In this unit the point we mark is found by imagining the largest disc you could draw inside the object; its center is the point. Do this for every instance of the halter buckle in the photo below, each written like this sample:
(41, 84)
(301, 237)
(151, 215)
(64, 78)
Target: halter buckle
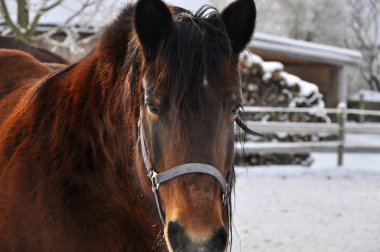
(153, 178)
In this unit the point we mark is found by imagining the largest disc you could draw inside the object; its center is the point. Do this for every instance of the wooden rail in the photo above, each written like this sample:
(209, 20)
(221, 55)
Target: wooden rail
(341, 128)
(304, 147)
(310, 128)
(249, 109)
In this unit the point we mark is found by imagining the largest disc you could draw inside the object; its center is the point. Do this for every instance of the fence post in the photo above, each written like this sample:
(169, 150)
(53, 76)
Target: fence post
(341, 134)
(362, 107)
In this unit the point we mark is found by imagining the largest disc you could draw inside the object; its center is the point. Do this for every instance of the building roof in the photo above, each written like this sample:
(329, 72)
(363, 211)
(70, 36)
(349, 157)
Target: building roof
(305, 50)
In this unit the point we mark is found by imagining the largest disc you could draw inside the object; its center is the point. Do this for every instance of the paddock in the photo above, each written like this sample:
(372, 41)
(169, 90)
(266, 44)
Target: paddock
(322, 208)
(326, 207)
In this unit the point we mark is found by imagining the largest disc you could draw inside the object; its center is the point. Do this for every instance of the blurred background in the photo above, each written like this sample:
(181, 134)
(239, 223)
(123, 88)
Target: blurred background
(311, 83)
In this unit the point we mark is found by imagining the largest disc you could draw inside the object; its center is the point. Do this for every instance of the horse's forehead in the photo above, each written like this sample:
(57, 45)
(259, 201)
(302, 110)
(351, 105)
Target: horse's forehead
(227, 77)
(217, 88)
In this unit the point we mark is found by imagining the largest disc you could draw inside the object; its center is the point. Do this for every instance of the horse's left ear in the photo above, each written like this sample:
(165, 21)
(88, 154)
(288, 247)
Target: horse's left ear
(239, 19)
(153, 21)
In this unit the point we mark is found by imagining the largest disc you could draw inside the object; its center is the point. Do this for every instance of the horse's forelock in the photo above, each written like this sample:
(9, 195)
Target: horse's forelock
(193, 53)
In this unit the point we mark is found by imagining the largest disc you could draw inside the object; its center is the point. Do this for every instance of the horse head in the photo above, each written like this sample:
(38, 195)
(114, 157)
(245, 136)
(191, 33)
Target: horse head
(191, 98)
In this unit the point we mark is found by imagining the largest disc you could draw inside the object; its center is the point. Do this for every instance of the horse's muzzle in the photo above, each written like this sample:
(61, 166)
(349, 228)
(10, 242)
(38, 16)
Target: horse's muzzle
(180, 241)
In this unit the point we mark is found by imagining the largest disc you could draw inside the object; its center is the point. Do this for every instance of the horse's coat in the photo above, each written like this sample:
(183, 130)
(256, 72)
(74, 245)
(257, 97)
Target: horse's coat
(71, 173)
(41, 54)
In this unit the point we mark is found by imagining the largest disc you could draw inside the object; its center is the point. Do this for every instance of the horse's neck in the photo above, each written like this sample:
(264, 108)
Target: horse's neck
(86, 118)
(83, 127)
(88, 114)
(97, 96)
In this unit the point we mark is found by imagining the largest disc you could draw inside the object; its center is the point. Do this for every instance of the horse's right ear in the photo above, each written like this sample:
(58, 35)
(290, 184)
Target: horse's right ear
(240, 19)
(153, 21)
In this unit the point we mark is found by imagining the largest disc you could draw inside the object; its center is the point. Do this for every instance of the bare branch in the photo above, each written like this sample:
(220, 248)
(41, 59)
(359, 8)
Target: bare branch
(63, 26)
(365, 31)
(85, 5)
(15, 29)
(40, 13)
(47, 8)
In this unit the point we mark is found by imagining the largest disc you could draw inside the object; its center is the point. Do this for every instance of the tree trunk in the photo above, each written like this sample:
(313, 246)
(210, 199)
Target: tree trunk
(374, 83)
(23, 18)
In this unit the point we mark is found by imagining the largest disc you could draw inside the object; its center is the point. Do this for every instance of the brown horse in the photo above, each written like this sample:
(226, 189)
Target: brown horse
(158, 95)
(41, 54)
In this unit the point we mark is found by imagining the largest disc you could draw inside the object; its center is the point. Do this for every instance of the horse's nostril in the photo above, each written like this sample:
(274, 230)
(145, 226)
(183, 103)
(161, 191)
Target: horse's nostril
(176, 235)
(179, 241)
(219, 241)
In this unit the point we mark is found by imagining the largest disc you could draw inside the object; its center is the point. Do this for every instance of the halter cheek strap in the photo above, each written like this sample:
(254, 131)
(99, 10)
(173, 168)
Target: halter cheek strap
(159, 178)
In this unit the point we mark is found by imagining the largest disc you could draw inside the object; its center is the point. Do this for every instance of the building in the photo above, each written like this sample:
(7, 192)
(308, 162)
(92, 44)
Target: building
(335, 70)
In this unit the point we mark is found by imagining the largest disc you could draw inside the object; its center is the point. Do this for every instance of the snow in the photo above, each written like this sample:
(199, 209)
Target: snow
(272, 66)
(250, 58)
(368, 96)
(257, 59)
(306, 88)
(269, 67)
(318, 109)
(322, 208)
(363, 139)
(290, 79)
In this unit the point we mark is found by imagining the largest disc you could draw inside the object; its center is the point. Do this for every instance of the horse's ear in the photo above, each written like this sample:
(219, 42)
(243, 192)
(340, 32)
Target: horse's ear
(240, 18)
(153, 21)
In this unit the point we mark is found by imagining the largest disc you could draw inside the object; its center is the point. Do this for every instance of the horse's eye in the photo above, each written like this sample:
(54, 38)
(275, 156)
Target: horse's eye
(235, 110)
(154, 109)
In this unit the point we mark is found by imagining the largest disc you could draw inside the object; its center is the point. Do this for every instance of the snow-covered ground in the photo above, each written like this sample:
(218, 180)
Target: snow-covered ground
(322, 208)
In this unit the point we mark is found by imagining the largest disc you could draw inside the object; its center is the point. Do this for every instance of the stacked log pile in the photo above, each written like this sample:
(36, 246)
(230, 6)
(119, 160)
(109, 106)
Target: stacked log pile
(267, 84)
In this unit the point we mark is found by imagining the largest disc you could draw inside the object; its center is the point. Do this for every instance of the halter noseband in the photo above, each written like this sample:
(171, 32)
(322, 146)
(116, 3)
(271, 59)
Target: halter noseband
(159, 178)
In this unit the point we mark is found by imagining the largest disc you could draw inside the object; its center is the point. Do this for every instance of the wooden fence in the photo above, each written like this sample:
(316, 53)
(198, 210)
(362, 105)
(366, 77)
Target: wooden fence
(340, 128)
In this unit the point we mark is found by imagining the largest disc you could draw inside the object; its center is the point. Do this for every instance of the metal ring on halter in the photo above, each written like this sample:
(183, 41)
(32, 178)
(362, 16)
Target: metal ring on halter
(153, 177)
